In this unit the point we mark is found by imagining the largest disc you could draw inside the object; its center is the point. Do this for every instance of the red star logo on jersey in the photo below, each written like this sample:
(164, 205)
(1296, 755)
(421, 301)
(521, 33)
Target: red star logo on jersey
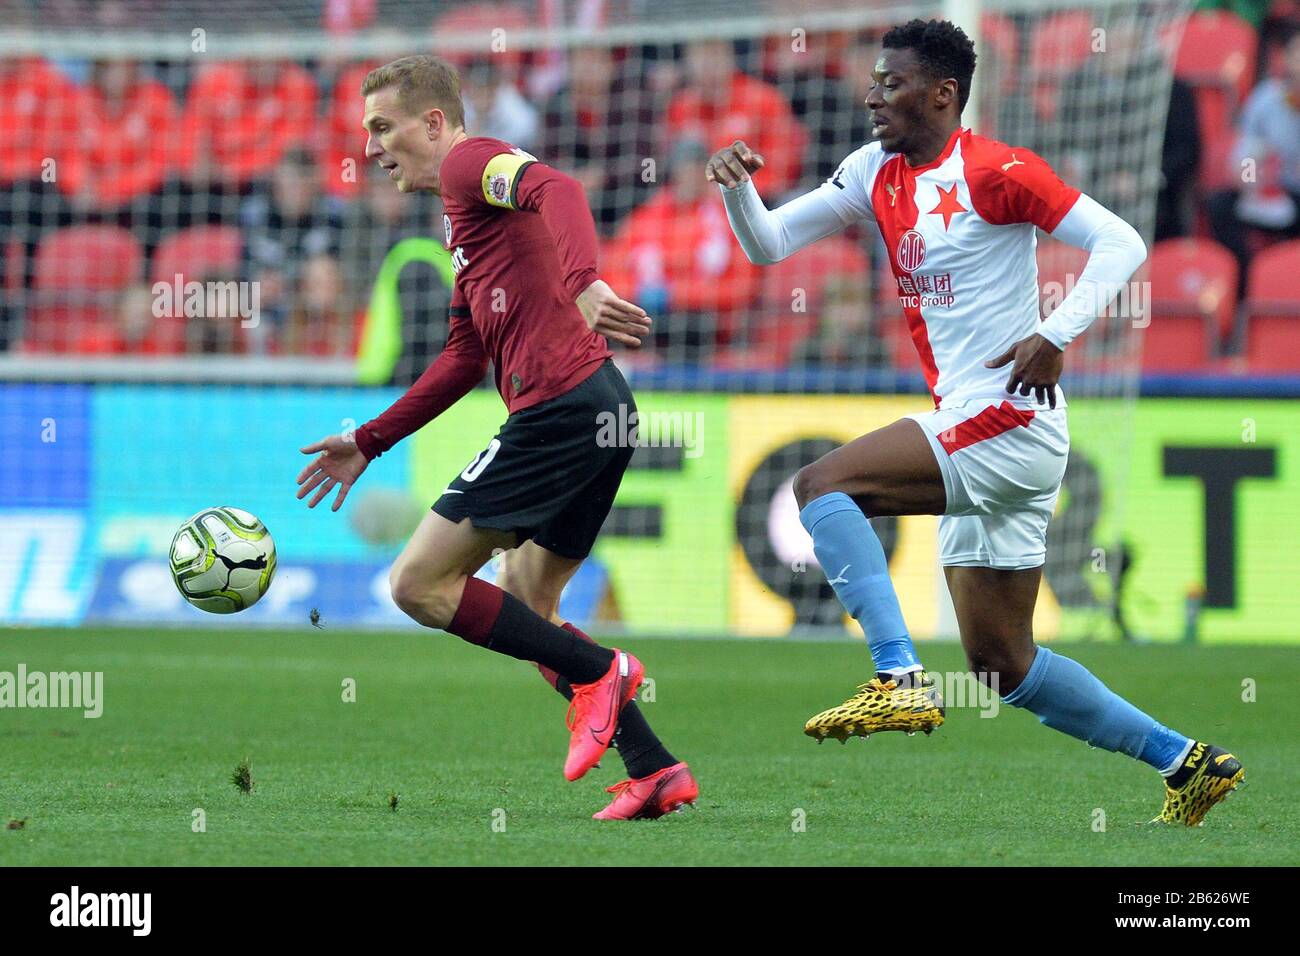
(948, 205)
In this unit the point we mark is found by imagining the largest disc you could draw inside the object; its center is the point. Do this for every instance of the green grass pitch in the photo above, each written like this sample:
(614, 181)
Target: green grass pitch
(469, 741)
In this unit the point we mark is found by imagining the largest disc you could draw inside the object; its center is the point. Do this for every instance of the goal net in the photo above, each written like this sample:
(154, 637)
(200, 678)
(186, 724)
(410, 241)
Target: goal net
(200, 272)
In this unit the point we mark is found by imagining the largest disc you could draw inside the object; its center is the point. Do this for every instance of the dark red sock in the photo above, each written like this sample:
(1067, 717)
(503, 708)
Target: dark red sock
(479, 608)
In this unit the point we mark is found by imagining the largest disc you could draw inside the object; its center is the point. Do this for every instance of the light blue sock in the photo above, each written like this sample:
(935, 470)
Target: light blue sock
(850, 553)
(1067, 697)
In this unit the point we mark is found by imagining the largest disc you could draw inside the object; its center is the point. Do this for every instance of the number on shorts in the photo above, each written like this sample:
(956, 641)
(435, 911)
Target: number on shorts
(481, 461)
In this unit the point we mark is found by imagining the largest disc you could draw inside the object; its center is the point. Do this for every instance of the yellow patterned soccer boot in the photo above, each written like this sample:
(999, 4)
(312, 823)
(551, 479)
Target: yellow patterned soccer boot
(1208, 775)
(908, 703)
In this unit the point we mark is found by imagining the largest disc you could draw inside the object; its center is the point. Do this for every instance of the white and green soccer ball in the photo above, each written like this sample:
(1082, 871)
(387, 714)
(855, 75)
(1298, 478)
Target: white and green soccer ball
(222, 560)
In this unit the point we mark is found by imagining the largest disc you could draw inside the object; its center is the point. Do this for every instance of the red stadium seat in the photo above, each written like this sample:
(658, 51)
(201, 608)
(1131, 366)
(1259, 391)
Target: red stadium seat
(87, 258)
(197, 252)
(1000, 34)
(242, 117)
(1217, 57)
(1193, 291)
(1273, 310)
(342, 137)
(1218, 49)
(1061, 42)
(1058, 46)
(79, 272)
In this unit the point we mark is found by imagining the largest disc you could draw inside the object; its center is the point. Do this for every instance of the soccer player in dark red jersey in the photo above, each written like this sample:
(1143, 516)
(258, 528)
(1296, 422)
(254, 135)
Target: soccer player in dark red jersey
(529, 299)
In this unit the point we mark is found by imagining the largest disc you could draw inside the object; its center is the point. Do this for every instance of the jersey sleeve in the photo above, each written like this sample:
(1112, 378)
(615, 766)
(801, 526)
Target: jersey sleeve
(499, 181)
(561, 202)
(848, 190)
(1011, 185)
(486, 172)
(1115, 251)
(458, 368)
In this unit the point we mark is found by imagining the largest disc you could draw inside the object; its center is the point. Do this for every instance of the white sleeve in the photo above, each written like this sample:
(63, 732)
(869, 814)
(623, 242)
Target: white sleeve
(768, 236)
(1115, 250)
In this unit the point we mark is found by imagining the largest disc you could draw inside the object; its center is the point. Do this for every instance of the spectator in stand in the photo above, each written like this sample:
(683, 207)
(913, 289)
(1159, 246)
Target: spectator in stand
(321, 324)
(220, 329)
(677, 256)
(129, 147)
(284, 226)
(495, 107)
(599, 128)
(804, 69)
(848, 335)
(720, 104)
(42, 169)
(491, 77)
(1266, 159)
(144, 328)
(240, 119)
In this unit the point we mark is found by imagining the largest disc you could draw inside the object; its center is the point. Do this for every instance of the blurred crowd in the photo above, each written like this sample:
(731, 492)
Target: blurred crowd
(117, 175)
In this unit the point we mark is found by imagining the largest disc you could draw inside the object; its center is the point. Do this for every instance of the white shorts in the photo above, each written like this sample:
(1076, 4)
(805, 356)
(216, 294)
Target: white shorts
(1002, 468)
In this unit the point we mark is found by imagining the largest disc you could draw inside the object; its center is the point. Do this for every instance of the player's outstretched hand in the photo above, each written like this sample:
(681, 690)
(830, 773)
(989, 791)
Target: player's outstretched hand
(611, 316)
(732, 165)
(1037, 369)
(339, 462)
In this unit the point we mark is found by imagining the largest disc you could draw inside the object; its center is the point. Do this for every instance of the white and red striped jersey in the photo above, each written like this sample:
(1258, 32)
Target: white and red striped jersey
(960, 236)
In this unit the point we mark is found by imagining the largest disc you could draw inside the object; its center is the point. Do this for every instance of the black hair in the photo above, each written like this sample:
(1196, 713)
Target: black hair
(943, 48)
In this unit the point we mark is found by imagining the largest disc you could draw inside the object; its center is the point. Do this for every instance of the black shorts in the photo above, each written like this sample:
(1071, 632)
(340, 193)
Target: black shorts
(552, 471)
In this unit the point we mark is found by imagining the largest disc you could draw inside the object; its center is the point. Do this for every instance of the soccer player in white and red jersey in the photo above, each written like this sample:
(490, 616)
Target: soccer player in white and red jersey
(528, 298)
(958, 214)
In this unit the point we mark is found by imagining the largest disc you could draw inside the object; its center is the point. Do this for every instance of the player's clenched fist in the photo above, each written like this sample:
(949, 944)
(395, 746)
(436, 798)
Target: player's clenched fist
(732, 165)
(611, 316)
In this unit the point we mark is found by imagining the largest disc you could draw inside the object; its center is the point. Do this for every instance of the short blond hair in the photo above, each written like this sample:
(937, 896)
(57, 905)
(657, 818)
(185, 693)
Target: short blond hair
(423, 82)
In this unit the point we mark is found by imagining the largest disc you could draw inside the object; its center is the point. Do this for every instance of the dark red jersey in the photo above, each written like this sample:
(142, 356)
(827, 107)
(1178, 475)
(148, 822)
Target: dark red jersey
(523, 246)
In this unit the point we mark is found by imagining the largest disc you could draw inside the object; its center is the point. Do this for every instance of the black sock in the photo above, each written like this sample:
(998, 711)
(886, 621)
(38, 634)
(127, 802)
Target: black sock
(503, 623)
(521, 632)
(642, 752)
